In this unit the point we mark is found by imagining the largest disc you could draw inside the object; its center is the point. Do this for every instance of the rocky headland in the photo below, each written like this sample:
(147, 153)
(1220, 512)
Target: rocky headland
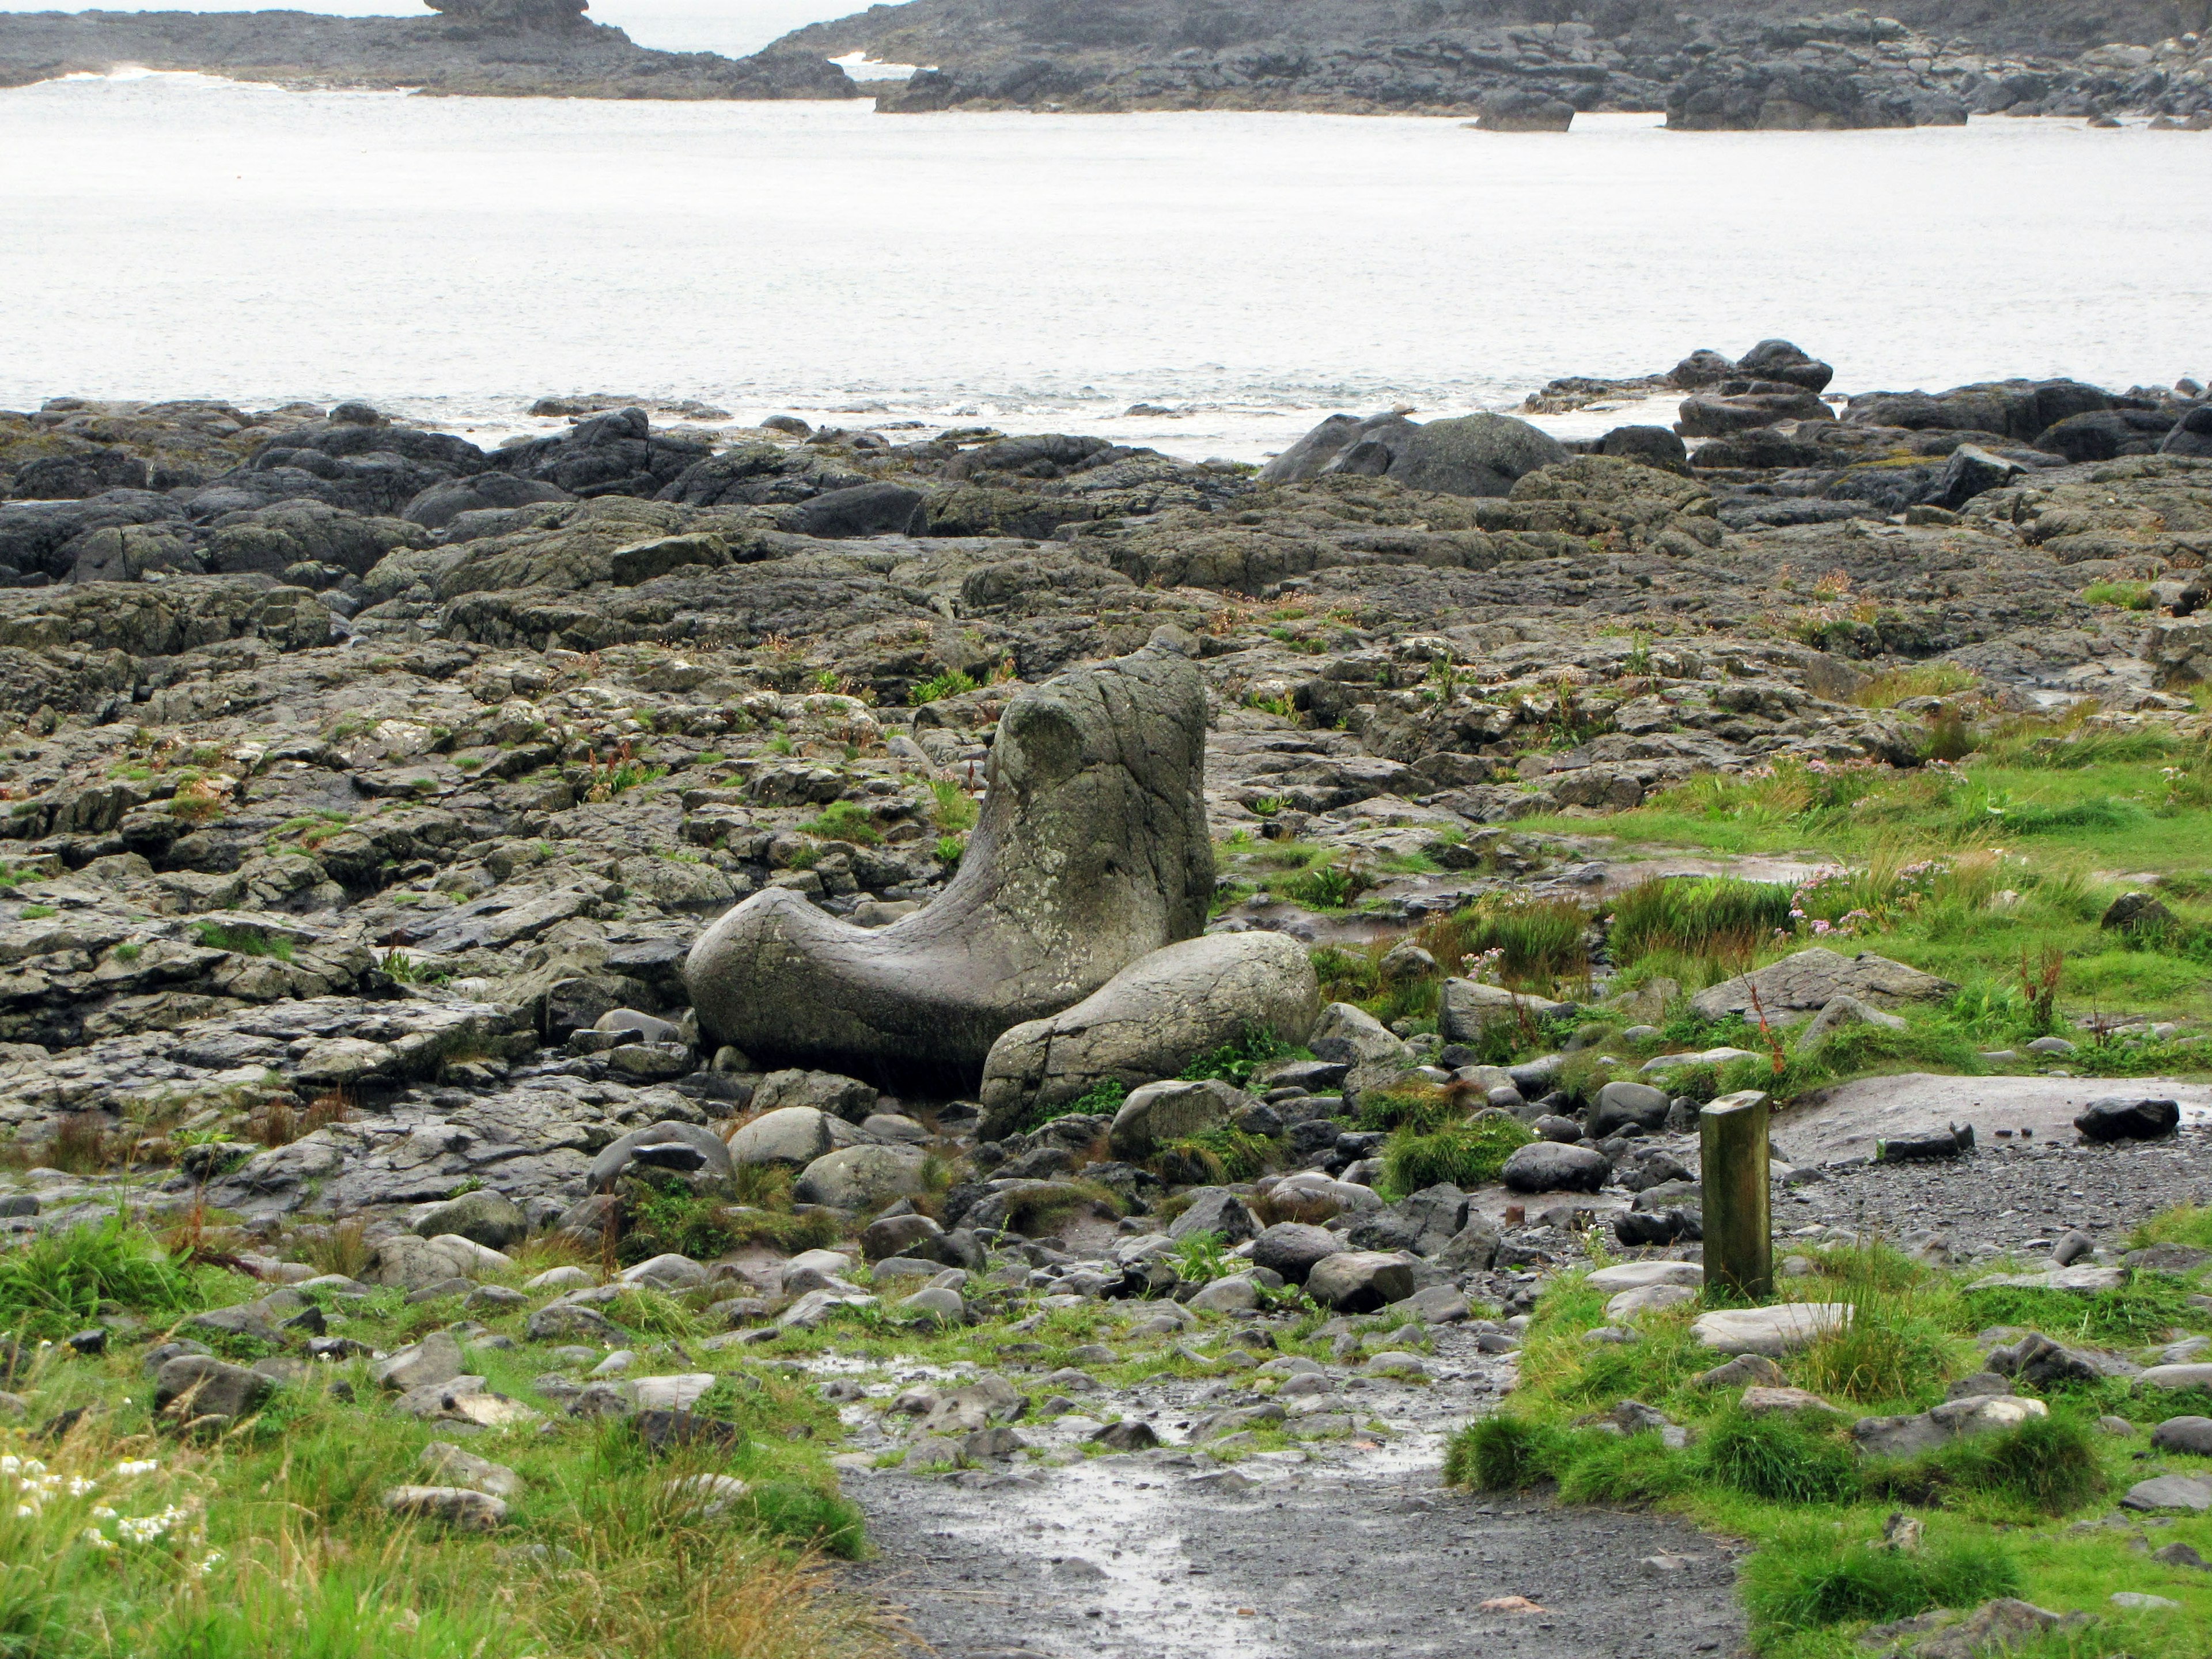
(1719, 63)
(473, 48)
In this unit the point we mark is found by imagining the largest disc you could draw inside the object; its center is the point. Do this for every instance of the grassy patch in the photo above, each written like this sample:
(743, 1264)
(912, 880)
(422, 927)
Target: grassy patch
(1697, 915)
(843, 820)
(1996, 1508)
(950, 683)
(1807, 1579)
(1464, 1154)
(243, 941)
(54, 1285)
(1235, 1063)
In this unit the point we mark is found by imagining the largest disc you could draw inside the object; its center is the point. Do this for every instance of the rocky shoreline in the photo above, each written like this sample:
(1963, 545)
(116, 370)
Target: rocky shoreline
(473, 48)
(1743, 65)
(384, 766)
(1710, 67)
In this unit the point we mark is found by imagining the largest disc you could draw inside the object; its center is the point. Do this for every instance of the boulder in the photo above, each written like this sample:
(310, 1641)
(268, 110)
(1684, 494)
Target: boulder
(841, 1096)
(1521, 111)
(1421, 1224)
(1972, 470)
(193, 1386)
(1468, 1006)
(1954, 1419)
(442, 502)
(436, 1359)
(482, 1218)
(1161, 1112)
(1472, 455)
(1293, 1248)
(796, 1135)
(2192, 1435)
(1838, 1013)
(1091, 851)
(668, 1271)
(1778, 360)
(1635, 1275)
(1151, 1020)
(1215, 1210)
(2170, 1491)
(1546, 1166)
(1620, 1105)
(462, 1508)
(1652, 446)
(868, 510)
(670, 1146)
(860, 1177)
(2192, 434)
(1715, 414)
(1649, 1299)
(1233, 1294)
(1359, 1281)
(899, 1236)
(1355, 1039)
(1809, 979)
(414, 1264)
(2116, 1117)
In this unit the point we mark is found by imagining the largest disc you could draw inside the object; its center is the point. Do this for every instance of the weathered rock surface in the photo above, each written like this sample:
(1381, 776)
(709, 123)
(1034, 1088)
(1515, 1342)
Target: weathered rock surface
(1151, 1020)
(1092, 851)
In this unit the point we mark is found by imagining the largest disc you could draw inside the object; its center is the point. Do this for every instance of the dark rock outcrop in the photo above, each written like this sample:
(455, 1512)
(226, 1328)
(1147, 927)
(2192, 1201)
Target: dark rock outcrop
(475, 48)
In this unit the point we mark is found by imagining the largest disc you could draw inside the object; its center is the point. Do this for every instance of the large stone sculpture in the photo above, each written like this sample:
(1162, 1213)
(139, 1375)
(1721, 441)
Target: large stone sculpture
(1091, 851)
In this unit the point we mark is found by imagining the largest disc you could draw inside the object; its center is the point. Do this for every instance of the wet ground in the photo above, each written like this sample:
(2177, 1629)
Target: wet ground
(1350, 1546)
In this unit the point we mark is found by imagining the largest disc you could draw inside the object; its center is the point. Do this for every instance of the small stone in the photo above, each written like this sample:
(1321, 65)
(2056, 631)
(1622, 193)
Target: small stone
(2137, 1599)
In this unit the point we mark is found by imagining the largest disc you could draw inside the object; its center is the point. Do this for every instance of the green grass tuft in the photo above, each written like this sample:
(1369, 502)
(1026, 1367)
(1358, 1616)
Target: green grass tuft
(54, 1287)
(1464, 1154)
(1503, 1453)
(1697, 915)
(1806, 1579)
(1788, 1457)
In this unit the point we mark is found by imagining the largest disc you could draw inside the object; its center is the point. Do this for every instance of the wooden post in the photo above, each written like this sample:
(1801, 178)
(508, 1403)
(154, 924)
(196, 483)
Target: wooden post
(1739, 1219)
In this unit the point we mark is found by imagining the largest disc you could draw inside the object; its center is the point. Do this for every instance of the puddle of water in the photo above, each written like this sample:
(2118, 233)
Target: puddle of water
(1117, 1518)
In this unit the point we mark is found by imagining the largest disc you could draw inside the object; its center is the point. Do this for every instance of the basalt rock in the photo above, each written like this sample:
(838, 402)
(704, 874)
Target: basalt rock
(1151, 1020)
(1472, 455)
(1091, 851)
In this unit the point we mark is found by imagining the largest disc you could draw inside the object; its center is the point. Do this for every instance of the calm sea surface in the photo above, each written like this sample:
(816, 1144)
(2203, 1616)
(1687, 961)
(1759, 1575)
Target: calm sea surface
(170, 235)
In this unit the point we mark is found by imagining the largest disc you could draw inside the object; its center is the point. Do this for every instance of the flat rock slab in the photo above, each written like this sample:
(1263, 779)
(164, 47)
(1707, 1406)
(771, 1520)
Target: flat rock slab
(2169, 1491)
(1846, 1120)
(2087, 1279)
(2176, 1376)
(1635, 1275)
(1781, 1330)
(1087, 1562)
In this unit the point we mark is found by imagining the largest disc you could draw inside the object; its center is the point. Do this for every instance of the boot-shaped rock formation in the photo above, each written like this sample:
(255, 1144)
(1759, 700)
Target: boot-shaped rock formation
(1092, 850)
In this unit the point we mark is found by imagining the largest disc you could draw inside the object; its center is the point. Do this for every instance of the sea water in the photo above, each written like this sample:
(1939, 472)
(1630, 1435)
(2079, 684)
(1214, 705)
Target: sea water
(455, 258)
